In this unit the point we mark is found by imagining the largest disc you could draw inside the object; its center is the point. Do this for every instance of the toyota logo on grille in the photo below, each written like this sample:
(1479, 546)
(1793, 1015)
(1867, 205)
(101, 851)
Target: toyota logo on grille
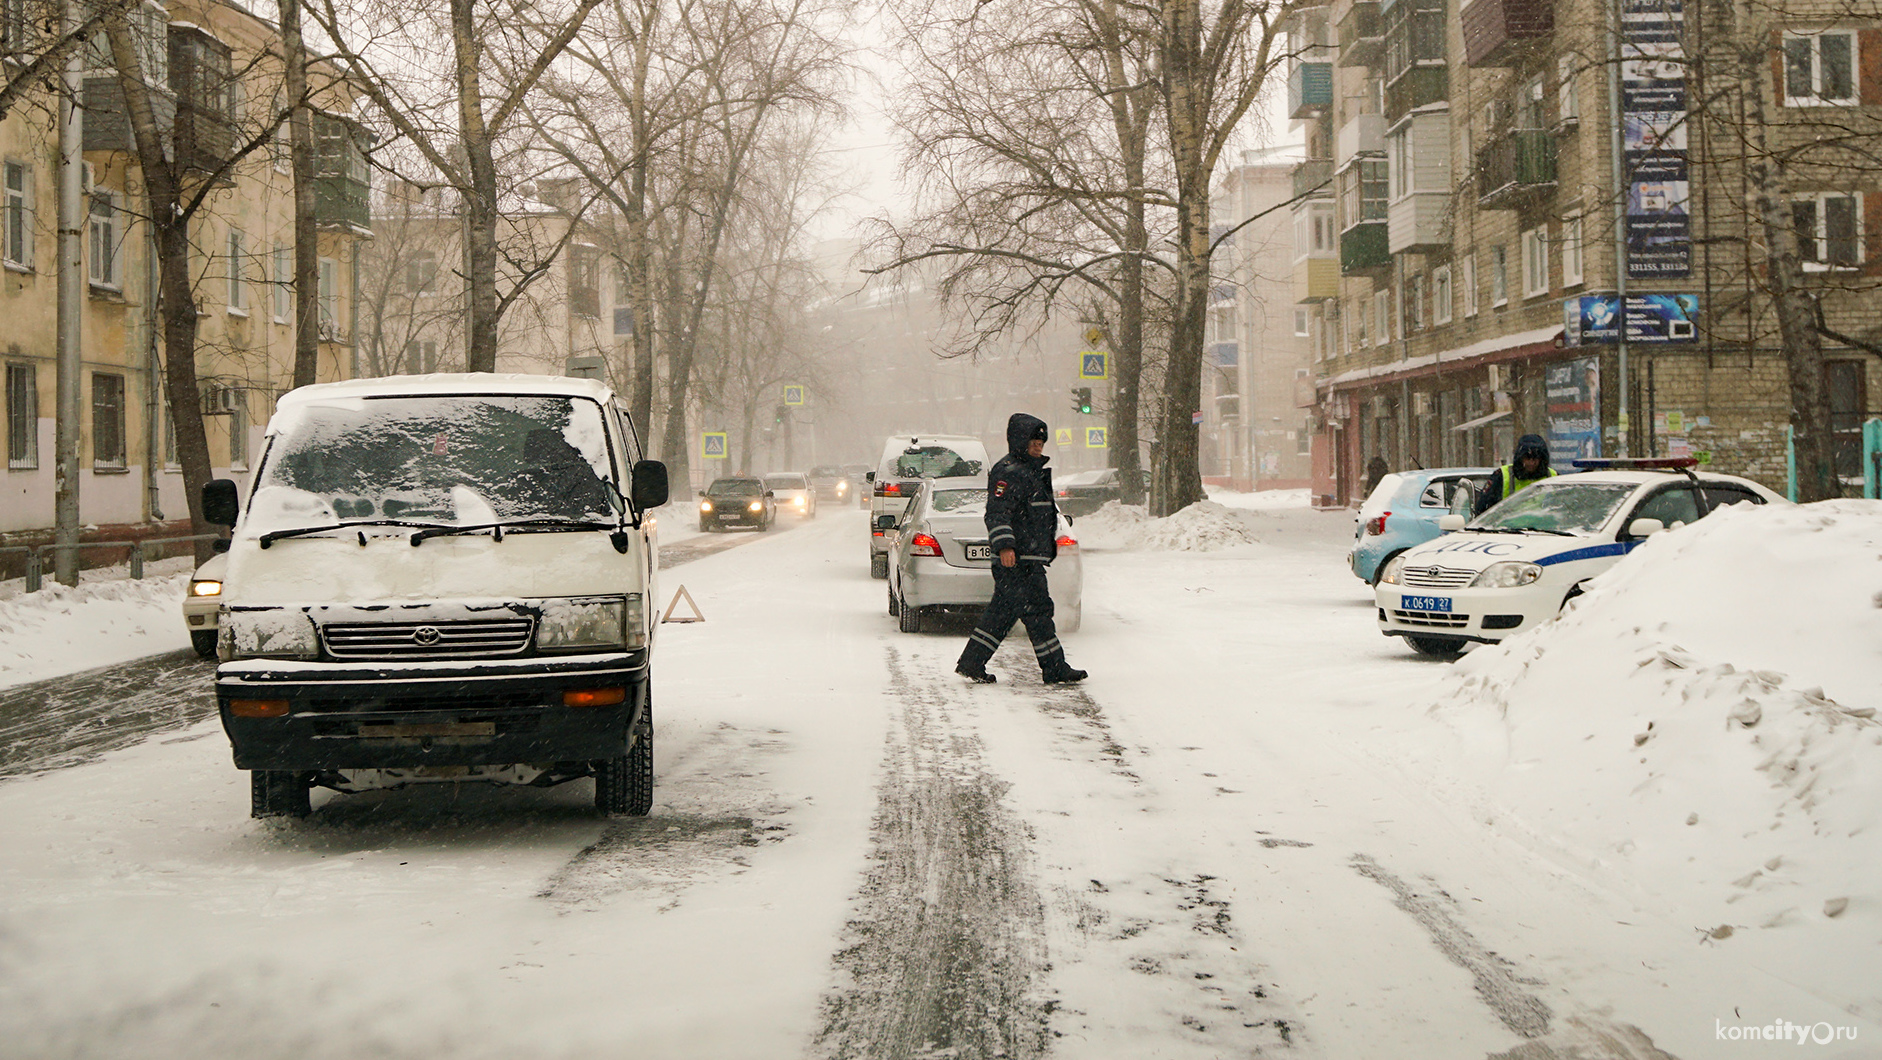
(1431, 572)
(425, 636)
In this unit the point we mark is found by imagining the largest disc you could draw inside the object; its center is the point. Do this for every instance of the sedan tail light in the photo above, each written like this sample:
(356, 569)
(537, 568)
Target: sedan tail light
(1065, 493)
(923, 545)
(1376, 526)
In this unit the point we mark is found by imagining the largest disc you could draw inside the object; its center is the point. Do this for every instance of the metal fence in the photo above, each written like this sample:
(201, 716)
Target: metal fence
(36, 554)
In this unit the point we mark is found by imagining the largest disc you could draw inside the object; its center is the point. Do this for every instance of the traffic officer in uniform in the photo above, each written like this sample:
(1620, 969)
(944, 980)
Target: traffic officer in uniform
(1529, 464)
(1022, 526)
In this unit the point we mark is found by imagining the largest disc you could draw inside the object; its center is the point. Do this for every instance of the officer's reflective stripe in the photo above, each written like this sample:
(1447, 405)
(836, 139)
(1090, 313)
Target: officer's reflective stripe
(1000, 528)
(1618, 548)
(984, 639)
(1043, 650)
(1042, 559)
(1040, 504)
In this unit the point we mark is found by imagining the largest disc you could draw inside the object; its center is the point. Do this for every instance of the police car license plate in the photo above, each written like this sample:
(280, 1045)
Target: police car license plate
(1425, 603)
(979, 551)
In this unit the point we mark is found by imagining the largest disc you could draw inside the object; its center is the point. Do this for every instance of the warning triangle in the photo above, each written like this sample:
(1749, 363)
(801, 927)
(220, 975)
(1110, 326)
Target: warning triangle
(696, 616)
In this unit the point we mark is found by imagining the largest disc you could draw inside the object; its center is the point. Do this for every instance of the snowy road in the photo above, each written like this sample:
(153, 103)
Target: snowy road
(1213, 848)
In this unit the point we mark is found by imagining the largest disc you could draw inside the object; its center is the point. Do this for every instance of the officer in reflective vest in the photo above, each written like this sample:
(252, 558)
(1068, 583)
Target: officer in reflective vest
(1530, 464)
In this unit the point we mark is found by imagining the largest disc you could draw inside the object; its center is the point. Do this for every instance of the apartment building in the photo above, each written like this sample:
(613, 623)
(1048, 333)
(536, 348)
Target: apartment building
(218, 80)
(1257, 380)
(1524, 217)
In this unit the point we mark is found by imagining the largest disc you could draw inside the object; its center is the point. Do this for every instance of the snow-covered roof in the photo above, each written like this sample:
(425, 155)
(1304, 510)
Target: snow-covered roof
(450, 383)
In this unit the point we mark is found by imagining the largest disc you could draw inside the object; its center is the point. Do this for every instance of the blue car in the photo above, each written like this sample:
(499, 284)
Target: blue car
(1403, 510)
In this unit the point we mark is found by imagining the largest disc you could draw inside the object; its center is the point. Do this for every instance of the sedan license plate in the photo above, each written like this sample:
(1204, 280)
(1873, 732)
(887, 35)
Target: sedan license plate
(728, 517)
(979, 551)
(1425, 603)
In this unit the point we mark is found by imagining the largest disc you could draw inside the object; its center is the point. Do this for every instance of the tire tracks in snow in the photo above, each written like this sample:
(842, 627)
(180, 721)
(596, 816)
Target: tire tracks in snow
(946, 953)
(64, 721)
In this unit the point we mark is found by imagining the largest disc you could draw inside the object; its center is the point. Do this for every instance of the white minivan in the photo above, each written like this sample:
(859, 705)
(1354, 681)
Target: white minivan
(441, 578)
(906, 460)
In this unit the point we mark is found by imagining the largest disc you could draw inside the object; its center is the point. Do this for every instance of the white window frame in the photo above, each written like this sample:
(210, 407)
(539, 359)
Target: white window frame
(329, 294)
(1816, 262)
(16, 214)
(1470, 284)
(236, 252)
(101, 233)
(1401, 172)
(283, 286)
(1567, 99)
(1535, 262)
(1382, 317)
(22, 415)
(1816, 98)
(1441, 294)
(1301, 327)
(1499, 275)
(1573, 260)
(1415, 303)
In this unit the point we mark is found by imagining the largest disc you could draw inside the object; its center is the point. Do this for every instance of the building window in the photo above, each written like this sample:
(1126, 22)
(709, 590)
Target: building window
(1820, 69)
(1382, 316)
(1400, 159)
(585, 281)
(1829, 232)
(1567, 102)
(329, 295)
(169, 438)
(237, 266)
(1571, 250)
(22, 416)
(283, 282)
(1529, 98)
(15, 27)
(1499, 275)
(107, 420)
(238, 431)
(16, 214)
(1300, 322)
(1470, 284)
(1415, 304)
(102, 263)
(1441, 294)
(421, 273)
(1535, 262)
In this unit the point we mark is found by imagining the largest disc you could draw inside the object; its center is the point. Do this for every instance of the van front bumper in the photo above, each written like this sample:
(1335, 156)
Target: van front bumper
(389, 716)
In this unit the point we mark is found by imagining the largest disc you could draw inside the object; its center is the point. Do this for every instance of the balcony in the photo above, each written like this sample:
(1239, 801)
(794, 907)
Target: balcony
(1496, 30)
(1314, 175)
(1316, 278)
(1363, 135)
(1515, 168)
(1362, 35)
(201, 135)
(1364, 249)
(1309, 89)
(107, 120)
(342, 180)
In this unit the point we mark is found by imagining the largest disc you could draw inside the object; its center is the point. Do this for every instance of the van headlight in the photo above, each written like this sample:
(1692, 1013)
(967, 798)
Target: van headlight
(1393, 567)
(583, 623)
(268, 633)
(1506, 575)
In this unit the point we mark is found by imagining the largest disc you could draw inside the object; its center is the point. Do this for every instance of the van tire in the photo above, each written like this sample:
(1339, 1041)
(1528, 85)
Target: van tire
(879, 565)
(624, 785)
(279, 793)
(1436, 647)
(204, 641)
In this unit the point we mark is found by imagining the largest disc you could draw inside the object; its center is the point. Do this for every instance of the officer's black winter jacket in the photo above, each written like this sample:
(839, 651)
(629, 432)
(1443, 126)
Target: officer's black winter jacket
(1021, 514)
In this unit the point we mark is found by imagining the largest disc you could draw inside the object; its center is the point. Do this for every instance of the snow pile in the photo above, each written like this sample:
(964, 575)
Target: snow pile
(1204, 526)
(1261, 500)
(61, 629)
(1701, 722)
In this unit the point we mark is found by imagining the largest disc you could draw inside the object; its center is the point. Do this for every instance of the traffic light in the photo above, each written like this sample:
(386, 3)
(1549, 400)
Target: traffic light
(1081, 399)
(780, 414)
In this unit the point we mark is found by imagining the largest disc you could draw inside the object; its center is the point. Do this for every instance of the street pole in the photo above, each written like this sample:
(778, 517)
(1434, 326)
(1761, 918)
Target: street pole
(1618, 144)
(71, 287)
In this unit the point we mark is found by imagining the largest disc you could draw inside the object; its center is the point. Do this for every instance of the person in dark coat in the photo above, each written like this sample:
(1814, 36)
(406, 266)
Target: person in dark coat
(1529, 464)
(1022, 526)
(1376, 470)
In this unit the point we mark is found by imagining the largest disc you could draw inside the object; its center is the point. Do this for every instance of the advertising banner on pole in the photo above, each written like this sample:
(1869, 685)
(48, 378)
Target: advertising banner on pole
(1573, 397)
(1653, 140)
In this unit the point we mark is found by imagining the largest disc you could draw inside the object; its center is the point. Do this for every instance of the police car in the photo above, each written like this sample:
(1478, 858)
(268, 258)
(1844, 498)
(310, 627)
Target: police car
(1514, 566)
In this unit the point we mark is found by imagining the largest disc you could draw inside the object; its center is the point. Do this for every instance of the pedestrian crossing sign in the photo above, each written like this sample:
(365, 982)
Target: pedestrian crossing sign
(793, 395)
(1095, 438)
(1065, 436)
(712, 445)
(1094, 365)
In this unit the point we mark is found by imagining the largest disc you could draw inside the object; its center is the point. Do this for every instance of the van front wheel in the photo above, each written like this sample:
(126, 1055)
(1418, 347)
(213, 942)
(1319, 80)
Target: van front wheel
(278, 793)
(624, 785)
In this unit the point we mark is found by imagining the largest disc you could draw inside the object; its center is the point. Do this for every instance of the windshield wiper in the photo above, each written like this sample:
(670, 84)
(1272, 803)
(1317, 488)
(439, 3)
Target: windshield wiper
(497, 529)
(272, 536)
(1519, 530)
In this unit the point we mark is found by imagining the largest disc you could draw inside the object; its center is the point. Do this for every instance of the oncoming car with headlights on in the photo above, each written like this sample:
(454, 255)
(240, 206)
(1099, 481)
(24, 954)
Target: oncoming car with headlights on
(1516, 565)
(730, 502)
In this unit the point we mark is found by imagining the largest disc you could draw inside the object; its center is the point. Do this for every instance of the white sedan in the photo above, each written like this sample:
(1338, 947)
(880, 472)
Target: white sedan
(794, 493)
(940, 560)
(202, 603)
(1516, 565)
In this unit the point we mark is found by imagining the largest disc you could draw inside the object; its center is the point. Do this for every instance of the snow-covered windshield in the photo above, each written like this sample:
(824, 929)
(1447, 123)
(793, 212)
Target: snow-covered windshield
(934, 461)
(448, 459)
(959, 501)
(1568, 507)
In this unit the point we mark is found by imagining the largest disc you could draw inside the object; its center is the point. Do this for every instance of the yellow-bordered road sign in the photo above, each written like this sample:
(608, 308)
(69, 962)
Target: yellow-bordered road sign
(1093, 364)
(1065, 436)
(712, 445)
(1097, 438)
(793, 395)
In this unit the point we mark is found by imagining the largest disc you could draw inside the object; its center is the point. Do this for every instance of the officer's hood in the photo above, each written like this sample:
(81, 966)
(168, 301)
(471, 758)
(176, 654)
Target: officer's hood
(1021, 429)
(1530, 445)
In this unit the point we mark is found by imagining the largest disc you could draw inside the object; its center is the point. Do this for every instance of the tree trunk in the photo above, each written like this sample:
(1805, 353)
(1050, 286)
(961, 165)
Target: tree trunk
(480, 198)
(1179, 481)
(306, 238)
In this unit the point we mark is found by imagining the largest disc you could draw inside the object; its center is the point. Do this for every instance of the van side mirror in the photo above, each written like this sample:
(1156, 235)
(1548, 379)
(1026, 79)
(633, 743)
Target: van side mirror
(222, 505)
(869, 476)
(885, 522)
(1450, 524)
(649, 488)
(1644, 527)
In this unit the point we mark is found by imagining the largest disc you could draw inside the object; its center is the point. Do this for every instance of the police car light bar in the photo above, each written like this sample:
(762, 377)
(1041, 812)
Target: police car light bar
(1636, 463)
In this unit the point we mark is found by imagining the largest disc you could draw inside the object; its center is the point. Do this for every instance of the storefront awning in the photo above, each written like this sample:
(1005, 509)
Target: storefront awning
(1481, 420)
